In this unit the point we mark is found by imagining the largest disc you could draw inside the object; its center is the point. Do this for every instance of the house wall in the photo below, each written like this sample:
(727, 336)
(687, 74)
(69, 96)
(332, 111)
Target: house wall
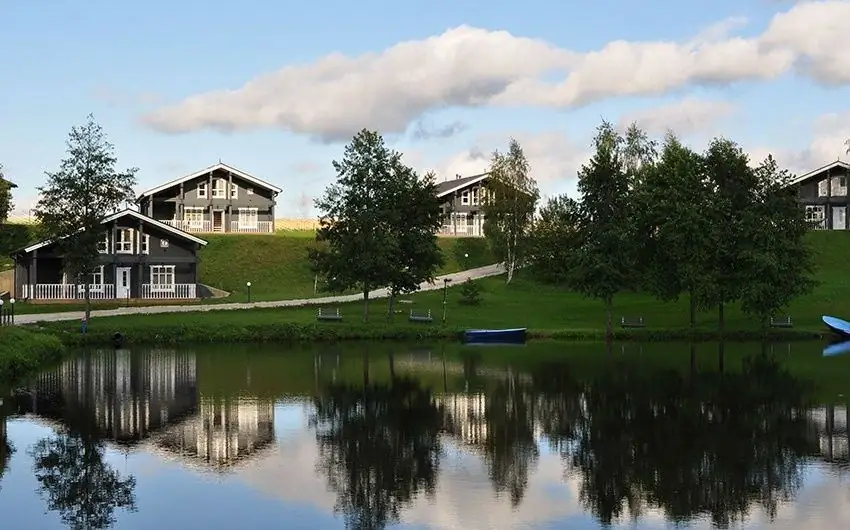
(454, 202)
(828, 191)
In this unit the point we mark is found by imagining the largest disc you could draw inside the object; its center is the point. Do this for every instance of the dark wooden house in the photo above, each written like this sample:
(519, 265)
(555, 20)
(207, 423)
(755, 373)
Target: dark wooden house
(463, 205)
(824, 193)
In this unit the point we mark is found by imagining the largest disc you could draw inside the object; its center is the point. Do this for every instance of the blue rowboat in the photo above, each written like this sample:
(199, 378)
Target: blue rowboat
(841, 327)
(837, 348)
(495, 336)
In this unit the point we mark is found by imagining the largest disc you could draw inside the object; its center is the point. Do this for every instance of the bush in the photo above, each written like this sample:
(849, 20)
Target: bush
(23, 351)
(470, 293)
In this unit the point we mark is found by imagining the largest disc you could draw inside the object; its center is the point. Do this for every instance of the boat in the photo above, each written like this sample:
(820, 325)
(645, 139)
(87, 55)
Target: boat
(496, 336)
(837, 348)
(837, 325)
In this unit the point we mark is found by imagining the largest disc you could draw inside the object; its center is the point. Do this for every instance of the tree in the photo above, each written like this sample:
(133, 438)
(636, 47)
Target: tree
(378, 222)
(86, 188)
(780, 264)
(671, 201)
(5, 197)
(556, 239)
(733, 186)
(639, 151)
(509, 207)
(605, 260)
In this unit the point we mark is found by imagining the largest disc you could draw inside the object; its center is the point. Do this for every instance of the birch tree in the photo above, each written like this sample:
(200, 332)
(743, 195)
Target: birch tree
(76, 198)
(509, 207)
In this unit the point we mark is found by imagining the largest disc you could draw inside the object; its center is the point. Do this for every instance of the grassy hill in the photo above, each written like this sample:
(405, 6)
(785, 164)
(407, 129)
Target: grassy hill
(277, 265)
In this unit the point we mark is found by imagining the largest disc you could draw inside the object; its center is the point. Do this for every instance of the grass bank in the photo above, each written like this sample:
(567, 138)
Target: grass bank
(23, 351)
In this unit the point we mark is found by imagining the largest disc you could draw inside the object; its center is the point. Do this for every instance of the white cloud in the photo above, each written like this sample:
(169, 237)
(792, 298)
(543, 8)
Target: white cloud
(829, 134)
(684, 117)
(337, 95)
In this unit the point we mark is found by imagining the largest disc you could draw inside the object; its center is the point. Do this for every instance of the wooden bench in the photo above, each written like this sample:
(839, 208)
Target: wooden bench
(328, 314)
(632, 322)
(781, 322)
(420, 317)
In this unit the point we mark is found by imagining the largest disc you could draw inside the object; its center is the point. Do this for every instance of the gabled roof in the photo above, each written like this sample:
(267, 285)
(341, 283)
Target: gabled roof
(222, 166)
(813, 173)
(450, 186)
(132, 213)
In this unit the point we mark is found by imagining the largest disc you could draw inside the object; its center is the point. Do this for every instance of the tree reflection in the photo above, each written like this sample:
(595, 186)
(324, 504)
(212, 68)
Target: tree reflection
(76, 482)
(6, 448)
(378, 446)
(703, 444)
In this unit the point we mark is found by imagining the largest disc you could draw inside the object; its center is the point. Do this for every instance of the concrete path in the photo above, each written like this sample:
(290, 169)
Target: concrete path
(457, 277)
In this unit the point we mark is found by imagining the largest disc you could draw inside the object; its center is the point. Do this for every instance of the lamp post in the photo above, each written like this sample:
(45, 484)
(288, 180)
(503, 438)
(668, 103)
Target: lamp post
(2, 315)
(12, 310)
(445, 296)
(249, 291)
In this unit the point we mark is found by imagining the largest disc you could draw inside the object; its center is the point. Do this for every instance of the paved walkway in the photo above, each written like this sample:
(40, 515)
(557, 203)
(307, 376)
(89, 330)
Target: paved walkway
(480, 272)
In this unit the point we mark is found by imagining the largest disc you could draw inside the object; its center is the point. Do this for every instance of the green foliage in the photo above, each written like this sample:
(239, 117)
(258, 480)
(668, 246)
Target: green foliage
(470, 292)
(556, 241)
(469, 252)
(23, 351)
(14, 237)
(378, 222)
(509, 207)
(77, 197)
(6, 204)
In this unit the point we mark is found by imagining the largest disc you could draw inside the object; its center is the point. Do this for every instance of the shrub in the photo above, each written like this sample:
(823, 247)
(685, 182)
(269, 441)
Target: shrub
(23, 351)
(470, 293)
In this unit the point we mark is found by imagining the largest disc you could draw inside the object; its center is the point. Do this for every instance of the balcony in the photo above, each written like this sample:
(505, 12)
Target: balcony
(460, 231)
(258, 227)
(188, 226)
(67, 291)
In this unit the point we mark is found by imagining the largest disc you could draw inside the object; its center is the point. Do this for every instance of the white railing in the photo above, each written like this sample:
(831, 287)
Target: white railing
(173, 291)
(187, 226)
(260, 227)
(68, 291)
(459, 230)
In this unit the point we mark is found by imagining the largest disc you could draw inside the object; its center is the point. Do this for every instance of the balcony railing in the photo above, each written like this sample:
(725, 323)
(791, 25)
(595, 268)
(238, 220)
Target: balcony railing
(169, 292)
(459, 230)
(260, 227)
(67, 291)
(187, 226)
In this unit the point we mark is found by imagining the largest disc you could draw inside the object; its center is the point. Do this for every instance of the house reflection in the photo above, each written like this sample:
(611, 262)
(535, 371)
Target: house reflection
(464, 417)
(116, 395)
(829, 427)
(224, 433)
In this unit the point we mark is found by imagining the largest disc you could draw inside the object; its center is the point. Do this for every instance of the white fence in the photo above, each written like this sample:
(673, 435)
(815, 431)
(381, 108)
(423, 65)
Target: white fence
(169, 292)
(67, 291)
(260, 227)
(187, 226)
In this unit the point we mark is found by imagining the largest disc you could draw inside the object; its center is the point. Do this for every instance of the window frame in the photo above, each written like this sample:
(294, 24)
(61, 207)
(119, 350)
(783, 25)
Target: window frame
(160, 271)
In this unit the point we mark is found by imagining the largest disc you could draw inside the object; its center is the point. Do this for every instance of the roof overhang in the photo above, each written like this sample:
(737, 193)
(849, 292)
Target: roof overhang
(220, 166)
(474, 180)
(810, 174)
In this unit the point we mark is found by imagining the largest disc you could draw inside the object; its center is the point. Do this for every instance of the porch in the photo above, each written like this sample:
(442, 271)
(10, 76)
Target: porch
(207, 227)
(462, 225)
(69, 291)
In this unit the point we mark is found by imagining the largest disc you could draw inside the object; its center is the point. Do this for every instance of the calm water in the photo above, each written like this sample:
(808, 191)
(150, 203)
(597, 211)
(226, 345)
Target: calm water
(388, 436)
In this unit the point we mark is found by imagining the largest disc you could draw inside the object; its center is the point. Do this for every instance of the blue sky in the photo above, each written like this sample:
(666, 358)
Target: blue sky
(770, 74)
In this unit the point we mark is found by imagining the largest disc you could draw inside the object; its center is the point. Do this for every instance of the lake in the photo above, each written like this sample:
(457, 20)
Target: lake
(368, 436)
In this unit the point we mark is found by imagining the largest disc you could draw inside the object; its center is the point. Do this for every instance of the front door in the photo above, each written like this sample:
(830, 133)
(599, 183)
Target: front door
(122, 282)
(218, 221)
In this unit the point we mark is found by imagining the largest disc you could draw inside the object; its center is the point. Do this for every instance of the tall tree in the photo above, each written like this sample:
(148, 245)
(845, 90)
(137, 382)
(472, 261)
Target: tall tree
(732, 185)
(86, 188)
(377, 223)
(671, 202)
(605, 260)
(780, 264)
(5, 197)
(509, 206)
(639, 151)
(556, 237)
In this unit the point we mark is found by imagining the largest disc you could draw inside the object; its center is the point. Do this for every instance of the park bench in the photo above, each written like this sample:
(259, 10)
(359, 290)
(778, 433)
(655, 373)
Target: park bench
(632, 322)
(781, 322)
(328, 314)
(420, 317)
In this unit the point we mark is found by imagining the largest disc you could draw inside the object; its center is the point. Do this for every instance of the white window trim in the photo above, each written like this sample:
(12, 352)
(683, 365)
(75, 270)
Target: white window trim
(203, 191)
(97, 287)
(195, 221)
(249, 191)
(248, 218)
(105, 244)
(464, 197)
(219, 188)
(145, 244)
(121, 241)
(475, 196)
(162, 269)
(234, 191)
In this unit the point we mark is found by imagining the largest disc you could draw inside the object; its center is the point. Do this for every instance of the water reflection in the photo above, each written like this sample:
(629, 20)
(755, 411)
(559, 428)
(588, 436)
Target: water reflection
(717, 439)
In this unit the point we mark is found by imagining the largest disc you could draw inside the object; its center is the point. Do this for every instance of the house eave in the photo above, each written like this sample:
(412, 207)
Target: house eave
(224, 167)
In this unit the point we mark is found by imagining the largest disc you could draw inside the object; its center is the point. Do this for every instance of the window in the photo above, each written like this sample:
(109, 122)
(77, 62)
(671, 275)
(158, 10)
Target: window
(464, 197)
(234, 190)
(163, 243)
(823, 188)
(193, 216)
(162, 278)
(124, 241)
(103, 246)
(202, 190)
(248, 218)
(839, 217)
(839, 186)
(219, 188)
(249, 191)
(816, 214)
(96, 280)
(475, 196)
(146, 244)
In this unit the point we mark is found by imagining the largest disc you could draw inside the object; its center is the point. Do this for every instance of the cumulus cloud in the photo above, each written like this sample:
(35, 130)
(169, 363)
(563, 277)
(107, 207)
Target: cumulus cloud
(422, 131)
(684, 117)
(828, 136)
(465, 66)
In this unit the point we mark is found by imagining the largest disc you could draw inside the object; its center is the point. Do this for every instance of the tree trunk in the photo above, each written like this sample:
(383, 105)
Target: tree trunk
(87, 296)
(721, 318)
(365, 303)
(510, 269)
(391, 306)
(609, 321)
(693, 310)
(392, 367)
(721, 357)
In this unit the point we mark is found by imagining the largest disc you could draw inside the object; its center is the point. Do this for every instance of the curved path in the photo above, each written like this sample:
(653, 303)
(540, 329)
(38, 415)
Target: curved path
(480, 272)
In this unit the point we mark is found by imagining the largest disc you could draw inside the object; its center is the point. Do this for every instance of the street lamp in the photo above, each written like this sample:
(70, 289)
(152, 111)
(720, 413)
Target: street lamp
(12, 309)
(249, 291)
(445, 296)
(2, 316)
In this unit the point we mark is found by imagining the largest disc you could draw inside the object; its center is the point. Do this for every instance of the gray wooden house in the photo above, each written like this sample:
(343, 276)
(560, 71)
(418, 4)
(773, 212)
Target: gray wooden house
(140, 257)
(824, 193)
(463, 205)
(219, 198)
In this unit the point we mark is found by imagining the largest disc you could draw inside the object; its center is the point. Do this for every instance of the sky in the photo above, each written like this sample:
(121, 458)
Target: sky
(277, 92)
